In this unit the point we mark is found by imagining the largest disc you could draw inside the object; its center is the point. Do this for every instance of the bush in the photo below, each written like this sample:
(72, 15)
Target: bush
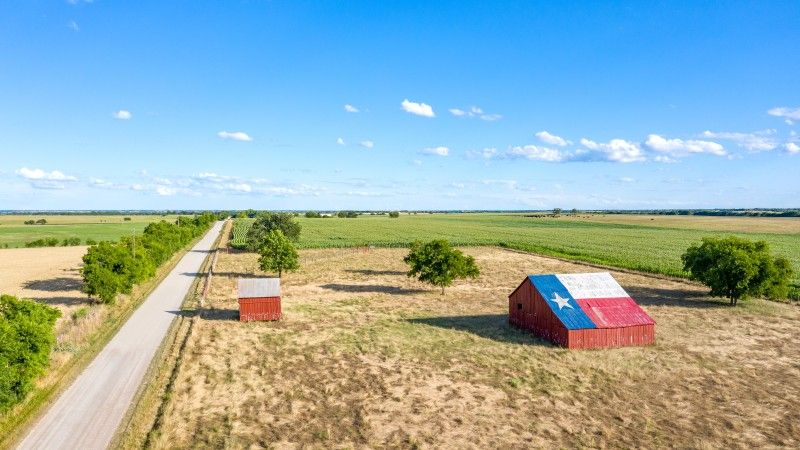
(737, 268)
(394, 214)
(111, 268)
(41, 222)
(91, 241)
(438, 263)
(347, 214)
(312, 215)
(30, 222)
(26, 340)
(126, 219)
(43, 242)
(67, 242)
(267, 222)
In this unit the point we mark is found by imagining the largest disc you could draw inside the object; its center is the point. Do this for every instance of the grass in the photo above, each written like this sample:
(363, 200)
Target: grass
(14, 233)
(368, 358)
(631, 242)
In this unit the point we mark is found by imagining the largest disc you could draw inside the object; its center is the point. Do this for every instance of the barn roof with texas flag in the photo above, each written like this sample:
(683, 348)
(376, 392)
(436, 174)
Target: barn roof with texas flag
(589, 300)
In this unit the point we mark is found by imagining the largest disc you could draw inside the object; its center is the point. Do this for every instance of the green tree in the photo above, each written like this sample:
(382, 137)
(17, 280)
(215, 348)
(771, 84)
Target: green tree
(312, 215)
(26, 340)
(557, 211)
(438, 263)
(737, 268)
(278, 254)
(268, 222)
(394, 214)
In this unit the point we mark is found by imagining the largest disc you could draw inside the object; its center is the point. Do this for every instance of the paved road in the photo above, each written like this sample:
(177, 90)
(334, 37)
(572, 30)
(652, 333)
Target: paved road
(87, 414)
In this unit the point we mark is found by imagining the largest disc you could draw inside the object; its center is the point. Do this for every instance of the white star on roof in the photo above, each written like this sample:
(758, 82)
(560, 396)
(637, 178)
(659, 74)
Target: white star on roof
(561, 302)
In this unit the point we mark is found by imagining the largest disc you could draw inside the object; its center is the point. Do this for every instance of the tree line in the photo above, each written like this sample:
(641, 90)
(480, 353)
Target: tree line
(111, 268)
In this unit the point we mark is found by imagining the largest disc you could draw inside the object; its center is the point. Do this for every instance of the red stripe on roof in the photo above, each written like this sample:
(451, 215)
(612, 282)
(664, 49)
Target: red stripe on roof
(614, 312)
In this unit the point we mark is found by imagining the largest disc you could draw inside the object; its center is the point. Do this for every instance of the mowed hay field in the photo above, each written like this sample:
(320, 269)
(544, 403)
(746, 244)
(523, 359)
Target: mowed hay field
(366, 357)
(14, 232)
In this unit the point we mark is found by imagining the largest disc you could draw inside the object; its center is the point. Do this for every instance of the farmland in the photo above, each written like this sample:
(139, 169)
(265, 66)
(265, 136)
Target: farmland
(366, 357)
(631, 242)
(14, 233)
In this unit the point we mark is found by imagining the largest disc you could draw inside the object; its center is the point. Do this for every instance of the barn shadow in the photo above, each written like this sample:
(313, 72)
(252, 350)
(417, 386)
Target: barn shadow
(58, 284)
(491, 326)
(372, 288)
(371, 272)
(687, 298)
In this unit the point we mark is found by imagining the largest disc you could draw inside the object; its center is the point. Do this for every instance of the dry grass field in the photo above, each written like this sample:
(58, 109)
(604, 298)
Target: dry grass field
(366, 357)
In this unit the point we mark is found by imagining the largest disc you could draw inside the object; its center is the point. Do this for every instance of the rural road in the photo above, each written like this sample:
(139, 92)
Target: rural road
(87, 414)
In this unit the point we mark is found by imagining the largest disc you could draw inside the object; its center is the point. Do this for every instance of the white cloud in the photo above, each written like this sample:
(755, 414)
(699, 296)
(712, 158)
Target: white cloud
(122, 114)
(420, 109)
(475, 111)
(41, 179)
(235, 135)
(165, 191)
(340, 141)
(789, 114)
(627, 180)
(350, 108)
(536, 153)
(438, 151)
(367, 144)
(754, 142)
(72, 25)
(793, 148)
(664, 159)
(100, 183)
(457, 112)
(679, 147)
(552, 139)
(616, 150)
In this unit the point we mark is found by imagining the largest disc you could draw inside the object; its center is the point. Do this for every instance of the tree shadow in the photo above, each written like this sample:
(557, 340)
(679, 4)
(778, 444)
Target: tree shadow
(491, 326)
(201, 251)
(375, 272)
(58, 284)
(372, 288)
(209, 314)
(687, 298)
(236, 274)
(64, 301)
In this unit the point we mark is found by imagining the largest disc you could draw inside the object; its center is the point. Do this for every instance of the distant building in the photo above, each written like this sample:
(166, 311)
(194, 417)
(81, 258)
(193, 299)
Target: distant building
(580, 310)
(259, 299)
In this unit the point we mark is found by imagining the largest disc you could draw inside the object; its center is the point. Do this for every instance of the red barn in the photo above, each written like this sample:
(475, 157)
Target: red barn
(580, 310)
(259, 299)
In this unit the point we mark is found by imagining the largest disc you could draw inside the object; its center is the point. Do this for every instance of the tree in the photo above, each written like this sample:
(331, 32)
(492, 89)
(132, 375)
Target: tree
(26, 340)
(394, 214)
(737, 268)
(267, 222)
(278, 254)
(557, 211)
(438, 263)
(312, 215)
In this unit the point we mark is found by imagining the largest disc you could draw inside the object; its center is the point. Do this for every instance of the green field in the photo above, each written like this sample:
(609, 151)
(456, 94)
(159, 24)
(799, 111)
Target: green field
(14, 233)
(620, 241)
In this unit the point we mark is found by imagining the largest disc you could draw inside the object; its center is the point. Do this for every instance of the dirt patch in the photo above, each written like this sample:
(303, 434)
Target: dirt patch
(366, 357)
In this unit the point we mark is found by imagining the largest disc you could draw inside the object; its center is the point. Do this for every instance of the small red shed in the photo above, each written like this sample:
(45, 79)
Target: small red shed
(259, 299)
(580, 310)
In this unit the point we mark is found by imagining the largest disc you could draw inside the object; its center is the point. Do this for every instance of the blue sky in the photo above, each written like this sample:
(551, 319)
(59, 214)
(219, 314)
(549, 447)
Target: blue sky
(399, 105)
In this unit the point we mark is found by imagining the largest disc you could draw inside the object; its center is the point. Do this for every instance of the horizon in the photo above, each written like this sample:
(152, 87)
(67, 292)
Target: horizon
(453, 106)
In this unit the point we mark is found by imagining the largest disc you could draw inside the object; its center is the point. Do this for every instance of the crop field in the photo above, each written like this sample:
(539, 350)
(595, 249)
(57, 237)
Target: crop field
(239, 232)
(631, 242)
(14, 233)
(368, 358)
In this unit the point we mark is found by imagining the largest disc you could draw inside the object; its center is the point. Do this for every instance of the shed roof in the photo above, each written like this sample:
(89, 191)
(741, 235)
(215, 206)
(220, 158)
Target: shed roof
(589, 300)
(259, 287)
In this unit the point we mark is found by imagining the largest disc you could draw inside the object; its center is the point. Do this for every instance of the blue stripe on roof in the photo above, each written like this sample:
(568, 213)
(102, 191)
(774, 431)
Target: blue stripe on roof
(571, 314)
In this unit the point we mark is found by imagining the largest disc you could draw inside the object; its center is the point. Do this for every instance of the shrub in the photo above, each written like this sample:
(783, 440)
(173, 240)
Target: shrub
(312, 215)
(347, 214)
(394, 214)
(30, 222)
(438, 263)
(737, 268)
(41, 222)
(126, 219)
(67, 242)
(80, 313)
(91, 241)
(278, 254)
(26, 340)
(268, 222)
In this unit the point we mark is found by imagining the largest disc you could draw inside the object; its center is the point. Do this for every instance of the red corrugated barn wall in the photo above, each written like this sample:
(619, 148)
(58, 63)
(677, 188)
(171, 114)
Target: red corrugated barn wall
(528, 310)
(259, 308)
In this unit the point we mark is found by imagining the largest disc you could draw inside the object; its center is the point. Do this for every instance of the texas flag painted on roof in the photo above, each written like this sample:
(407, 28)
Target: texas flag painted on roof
(589, 300)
